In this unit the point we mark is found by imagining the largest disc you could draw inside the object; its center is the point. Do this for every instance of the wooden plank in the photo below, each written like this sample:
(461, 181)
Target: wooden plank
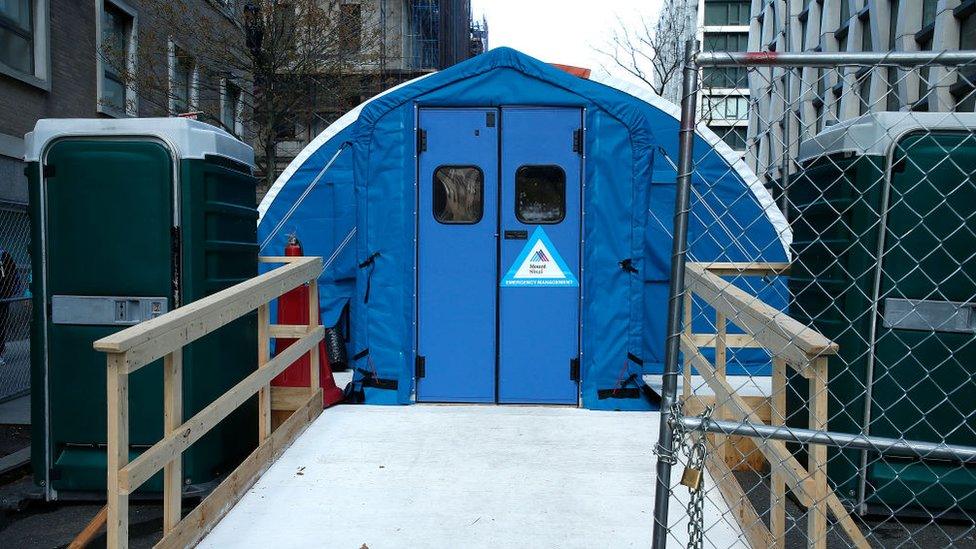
(288, 398)
(779, 334)
(215, 506)
(264, 355)
(740, 341)
(817, 457)
(722, 268)
(117, 392)
(146, 465)
(742, 454)
(742, 509)
(279, 258)
(313, 322)
(153, 339)
(289, 331)
(777, 486)
(88, 533)
(686, 380)
(172, 420)
(721, 327)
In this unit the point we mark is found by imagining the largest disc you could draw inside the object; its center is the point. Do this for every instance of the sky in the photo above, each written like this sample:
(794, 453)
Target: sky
(561, 31)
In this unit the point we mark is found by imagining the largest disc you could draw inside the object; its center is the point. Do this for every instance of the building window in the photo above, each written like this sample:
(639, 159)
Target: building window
(230, 108)
(725, 77)
(845, 12)
(726, 12)
(116, 60)
(182, 82)
(350, 28)
(458, 194)
(734, 136)
(929, 10)
(967, 32)
(735, 107)
(24, 40)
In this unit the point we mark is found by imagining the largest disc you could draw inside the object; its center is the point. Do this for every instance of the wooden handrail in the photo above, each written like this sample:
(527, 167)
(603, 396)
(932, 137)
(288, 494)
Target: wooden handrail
(788, 342)
(155, 338)
(164, 337)
(776, 331)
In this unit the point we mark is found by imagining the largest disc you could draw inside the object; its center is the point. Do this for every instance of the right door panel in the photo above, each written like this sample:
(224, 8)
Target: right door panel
(538, 315)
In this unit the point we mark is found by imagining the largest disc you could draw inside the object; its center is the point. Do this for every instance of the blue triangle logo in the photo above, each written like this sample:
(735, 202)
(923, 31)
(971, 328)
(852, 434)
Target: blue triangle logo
(539, 264)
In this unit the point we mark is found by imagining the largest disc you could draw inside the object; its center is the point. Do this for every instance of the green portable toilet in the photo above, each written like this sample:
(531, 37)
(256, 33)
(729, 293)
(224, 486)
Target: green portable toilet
(891, 195)
(130, 219)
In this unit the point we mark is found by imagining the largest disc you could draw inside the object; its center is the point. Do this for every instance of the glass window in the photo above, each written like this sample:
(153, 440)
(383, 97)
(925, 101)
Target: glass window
(229, 106)
(929, 8)
(458, 194)
(845, 12)
(726, 12)
(734, 136)
(17, 35)
(116, 32)
(967, 33)
(726, 41)
(540, 194)
(182, 84)
(350, 28)
(866, 44)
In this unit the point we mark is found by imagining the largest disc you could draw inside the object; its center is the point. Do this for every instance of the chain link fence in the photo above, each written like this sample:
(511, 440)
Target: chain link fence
(822, 355)
(15, 304)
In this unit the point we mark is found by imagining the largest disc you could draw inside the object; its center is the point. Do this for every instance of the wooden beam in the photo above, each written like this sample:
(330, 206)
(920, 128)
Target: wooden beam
(781, 335)
(155, 338)
(742, 509)
(215, 506)
(288, 399)
(279, 258)
(745, 268)
(117, 386)
(817, 456)
(777, 484)
(88, 533)
(152, 460)
(740, 341)
(313, 322)
(289, 331)
(264, 355)
(172, 420)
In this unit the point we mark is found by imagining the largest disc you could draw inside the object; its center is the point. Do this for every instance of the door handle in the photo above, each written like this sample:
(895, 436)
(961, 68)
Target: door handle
(516, 235)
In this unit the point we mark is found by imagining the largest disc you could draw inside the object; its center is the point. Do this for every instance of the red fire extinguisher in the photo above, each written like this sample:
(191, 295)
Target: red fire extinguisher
(293, 310)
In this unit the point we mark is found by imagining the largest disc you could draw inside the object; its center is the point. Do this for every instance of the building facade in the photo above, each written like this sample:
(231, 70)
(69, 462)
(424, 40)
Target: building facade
(791, 106)
(398, 40)
(54, 63)
(718, 25)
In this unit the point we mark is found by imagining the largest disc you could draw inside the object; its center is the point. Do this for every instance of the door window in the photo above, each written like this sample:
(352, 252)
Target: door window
(458, 194)
(540, 194)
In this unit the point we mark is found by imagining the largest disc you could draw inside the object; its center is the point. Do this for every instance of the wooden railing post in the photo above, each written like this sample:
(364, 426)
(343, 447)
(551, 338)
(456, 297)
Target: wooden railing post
(723, 443)
(817, 514)
(686, 379)
(313, 322)
(172, 419)
(117, 385)
(777, 488)
(264, 355)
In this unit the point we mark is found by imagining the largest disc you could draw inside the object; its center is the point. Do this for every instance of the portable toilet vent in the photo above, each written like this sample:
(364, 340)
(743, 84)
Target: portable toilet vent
(130, 219)
(890, 195)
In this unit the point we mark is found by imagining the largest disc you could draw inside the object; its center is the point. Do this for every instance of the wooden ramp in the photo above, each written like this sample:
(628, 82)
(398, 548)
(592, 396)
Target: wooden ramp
(462, 476)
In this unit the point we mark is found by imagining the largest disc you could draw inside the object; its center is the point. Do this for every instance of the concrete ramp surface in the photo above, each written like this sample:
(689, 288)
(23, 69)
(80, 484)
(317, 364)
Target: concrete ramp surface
(463, 476)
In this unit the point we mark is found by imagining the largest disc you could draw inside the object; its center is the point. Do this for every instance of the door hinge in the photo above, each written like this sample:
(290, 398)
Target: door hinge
(574, 369)
(578, 141)
(48, 170)
(421, 140)
(421, 367)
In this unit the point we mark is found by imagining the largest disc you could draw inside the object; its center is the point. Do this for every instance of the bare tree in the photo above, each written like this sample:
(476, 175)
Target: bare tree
(279, 62)
(652, 50)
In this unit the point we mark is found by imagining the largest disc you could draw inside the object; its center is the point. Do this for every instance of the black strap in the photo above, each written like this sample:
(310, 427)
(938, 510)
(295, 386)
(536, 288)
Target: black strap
(360, 354)
(635, 359)
(640, 389)
(627, 265)
(370, 380)
(626, 392)
(371, 263)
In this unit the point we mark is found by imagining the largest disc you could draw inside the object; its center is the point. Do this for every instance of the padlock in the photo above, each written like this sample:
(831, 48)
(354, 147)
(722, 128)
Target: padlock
(691, 478)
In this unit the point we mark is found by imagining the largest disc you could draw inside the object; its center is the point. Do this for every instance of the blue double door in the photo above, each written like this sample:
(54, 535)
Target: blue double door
(498, 254)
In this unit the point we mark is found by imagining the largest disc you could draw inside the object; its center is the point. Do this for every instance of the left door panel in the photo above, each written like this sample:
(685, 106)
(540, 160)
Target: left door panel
(457, 251)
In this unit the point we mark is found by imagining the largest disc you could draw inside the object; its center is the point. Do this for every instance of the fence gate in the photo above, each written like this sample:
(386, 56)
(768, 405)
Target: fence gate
(15, 303)
(853, 422)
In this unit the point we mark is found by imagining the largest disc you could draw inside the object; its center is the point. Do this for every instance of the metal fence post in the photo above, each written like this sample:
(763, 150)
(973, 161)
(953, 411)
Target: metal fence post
(665, 445)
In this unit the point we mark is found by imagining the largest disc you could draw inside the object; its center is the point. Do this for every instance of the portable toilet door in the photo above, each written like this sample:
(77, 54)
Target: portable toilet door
(894, 192)
(113, 246)
(499, 226)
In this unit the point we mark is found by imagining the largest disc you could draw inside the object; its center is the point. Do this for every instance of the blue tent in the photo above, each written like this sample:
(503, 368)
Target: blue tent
(351, 197)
